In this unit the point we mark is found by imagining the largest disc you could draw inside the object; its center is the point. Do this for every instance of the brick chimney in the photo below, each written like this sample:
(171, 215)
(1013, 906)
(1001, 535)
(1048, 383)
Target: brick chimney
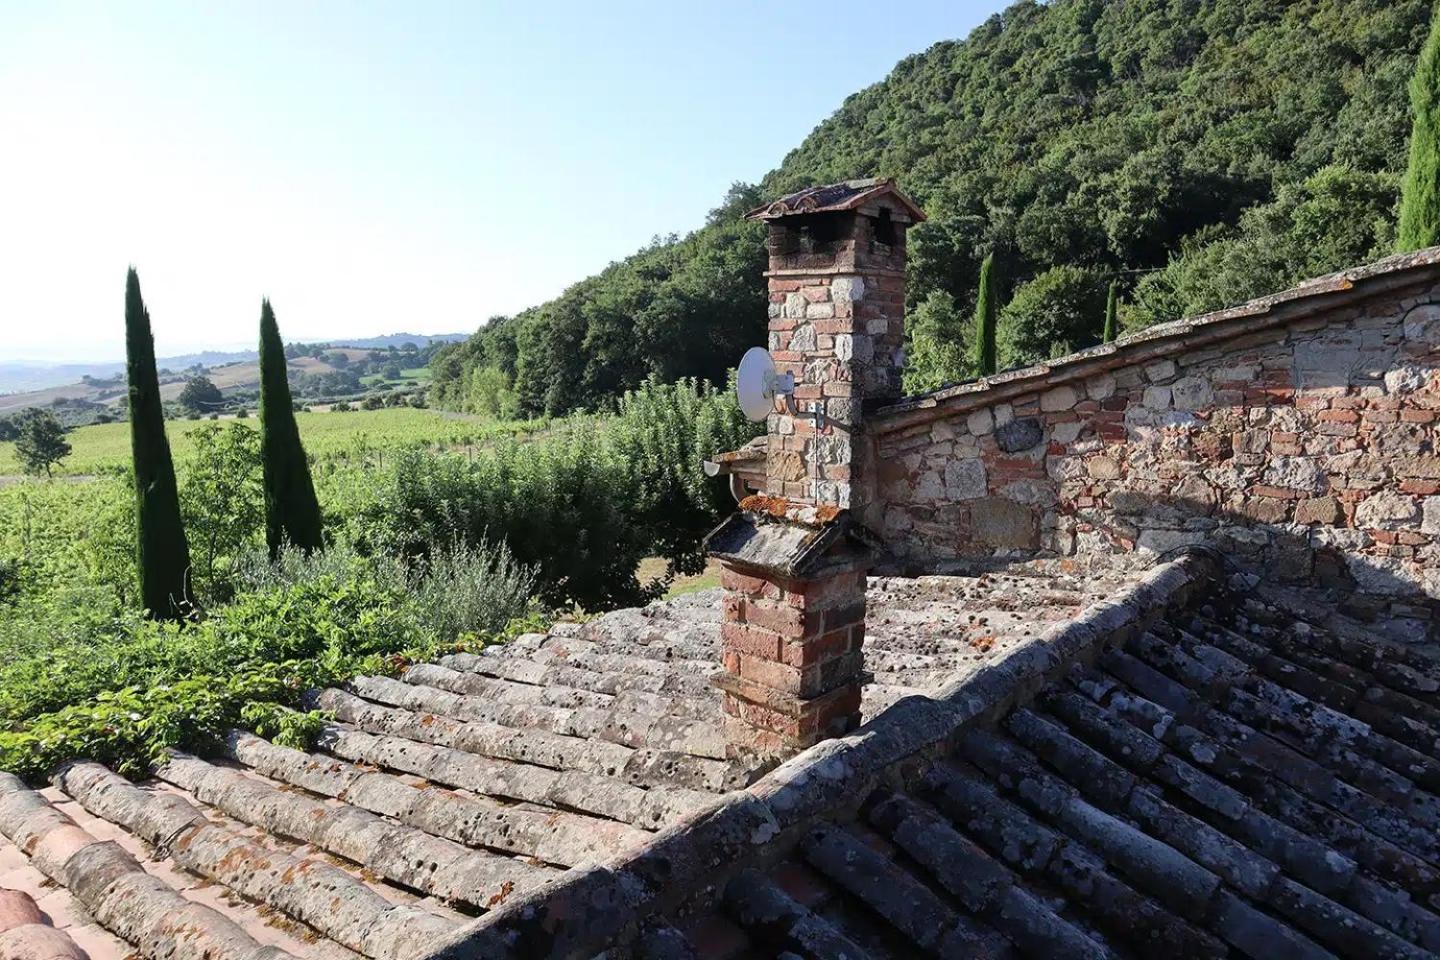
(794, 561)
(792, 627)
(837, 322)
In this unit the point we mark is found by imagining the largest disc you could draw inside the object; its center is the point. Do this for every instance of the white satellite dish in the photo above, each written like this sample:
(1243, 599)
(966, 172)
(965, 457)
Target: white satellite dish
(757, 384)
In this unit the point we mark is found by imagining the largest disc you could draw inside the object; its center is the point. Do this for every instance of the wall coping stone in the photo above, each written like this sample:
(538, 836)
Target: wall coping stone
(1164, 340)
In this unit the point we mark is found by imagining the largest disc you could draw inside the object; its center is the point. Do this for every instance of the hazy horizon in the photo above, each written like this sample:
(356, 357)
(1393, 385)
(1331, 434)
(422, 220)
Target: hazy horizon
(384, 168)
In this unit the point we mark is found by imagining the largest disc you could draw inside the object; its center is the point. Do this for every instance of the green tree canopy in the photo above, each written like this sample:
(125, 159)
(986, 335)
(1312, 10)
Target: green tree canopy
(1113, 136)
(938, 352)
(1054, 313)
(201, 396)
(40, 441)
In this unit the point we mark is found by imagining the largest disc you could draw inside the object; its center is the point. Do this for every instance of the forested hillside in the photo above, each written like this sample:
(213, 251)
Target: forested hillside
(1200, 152)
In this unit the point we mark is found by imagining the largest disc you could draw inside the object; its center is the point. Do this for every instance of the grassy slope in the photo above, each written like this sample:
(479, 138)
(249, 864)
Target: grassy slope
(324, 434)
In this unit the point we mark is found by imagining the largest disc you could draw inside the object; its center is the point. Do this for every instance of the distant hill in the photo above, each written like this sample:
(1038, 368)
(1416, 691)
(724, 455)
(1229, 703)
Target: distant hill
(397, 340)
(1200, 152)
(25, 378)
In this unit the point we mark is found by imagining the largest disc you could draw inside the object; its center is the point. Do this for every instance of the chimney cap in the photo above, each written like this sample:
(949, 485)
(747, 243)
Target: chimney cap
(836, 198)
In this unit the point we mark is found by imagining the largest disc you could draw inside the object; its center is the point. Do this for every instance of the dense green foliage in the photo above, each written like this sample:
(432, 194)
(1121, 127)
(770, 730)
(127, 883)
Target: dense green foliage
(1337, 217)
(584, 504)
(430, 549)
(938, 337)
(1203, 139)
(1420, 193)
(163, 555)
(1058, 311)
(149, 686)
(292, 513)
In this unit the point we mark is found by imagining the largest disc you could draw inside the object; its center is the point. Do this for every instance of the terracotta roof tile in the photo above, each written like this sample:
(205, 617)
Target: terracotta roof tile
(1204, 787)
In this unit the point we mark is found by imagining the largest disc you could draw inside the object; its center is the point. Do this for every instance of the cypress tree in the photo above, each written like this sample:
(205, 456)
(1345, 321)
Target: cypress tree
(1420, 193)
(292, 514)
(1112, 308)
(162, 553)
(987, 307)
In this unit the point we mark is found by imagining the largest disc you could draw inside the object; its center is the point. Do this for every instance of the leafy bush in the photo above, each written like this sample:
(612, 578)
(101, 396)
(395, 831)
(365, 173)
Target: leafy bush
(9, 580)
(583, 504)
(661, 436)
(124, 695)
(558, 503)
(223, 503)
(460, 590)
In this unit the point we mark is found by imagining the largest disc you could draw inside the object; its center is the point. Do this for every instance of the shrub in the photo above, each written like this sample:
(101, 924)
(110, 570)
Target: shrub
(222, 501)
(10, 580)
(583, 504)
(460, 590)
(557, 503)
(468, 590)
(125, 693)
(661, 436)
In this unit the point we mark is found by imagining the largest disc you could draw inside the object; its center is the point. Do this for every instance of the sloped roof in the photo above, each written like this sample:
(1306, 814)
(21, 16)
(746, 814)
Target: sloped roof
(1189, 770)
(448, 792)
(836, 197)
(1166, 339)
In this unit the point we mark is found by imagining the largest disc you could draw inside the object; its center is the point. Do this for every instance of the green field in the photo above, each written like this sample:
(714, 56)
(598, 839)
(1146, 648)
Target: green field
(325, 435)
(419, 375)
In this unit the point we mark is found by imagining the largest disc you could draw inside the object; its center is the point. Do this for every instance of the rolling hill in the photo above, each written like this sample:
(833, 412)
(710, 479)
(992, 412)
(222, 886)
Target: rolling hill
(1197, 151)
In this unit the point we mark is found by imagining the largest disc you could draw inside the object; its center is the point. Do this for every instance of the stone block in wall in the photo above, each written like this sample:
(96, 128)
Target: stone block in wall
(1018, 435)
(1001, 523)
(965, 479)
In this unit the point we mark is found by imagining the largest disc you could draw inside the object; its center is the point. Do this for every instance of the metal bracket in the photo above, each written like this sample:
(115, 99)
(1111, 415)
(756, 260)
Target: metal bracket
(816, 413)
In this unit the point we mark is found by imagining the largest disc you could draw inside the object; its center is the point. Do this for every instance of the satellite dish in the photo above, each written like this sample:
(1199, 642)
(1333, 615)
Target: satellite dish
(757, 383)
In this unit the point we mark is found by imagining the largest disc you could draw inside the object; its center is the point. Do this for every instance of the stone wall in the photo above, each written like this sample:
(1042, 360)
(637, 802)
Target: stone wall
(1304, 447)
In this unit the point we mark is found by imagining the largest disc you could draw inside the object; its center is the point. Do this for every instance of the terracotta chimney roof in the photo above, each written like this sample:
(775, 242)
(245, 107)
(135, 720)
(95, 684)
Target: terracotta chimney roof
(835, 197)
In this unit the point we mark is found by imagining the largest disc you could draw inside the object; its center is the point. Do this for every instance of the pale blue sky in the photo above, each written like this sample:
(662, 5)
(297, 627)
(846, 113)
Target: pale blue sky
(374, 167)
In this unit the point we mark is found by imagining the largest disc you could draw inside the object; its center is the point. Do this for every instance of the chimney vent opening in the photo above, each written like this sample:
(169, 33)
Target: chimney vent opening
(884, 228)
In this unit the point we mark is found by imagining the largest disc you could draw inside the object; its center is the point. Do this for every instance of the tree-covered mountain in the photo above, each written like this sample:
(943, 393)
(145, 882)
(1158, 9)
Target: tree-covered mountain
(1200, 152)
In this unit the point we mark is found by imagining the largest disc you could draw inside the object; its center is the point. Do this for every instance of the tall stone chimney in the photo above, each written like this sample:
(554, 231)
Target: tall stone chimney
(837, 322)
(794, 562)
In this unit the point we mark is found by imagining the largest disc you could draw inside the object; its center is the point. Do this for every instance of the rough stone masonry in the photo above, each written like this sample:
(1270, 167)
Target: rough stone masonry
(837, 306)
(1298, 433)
